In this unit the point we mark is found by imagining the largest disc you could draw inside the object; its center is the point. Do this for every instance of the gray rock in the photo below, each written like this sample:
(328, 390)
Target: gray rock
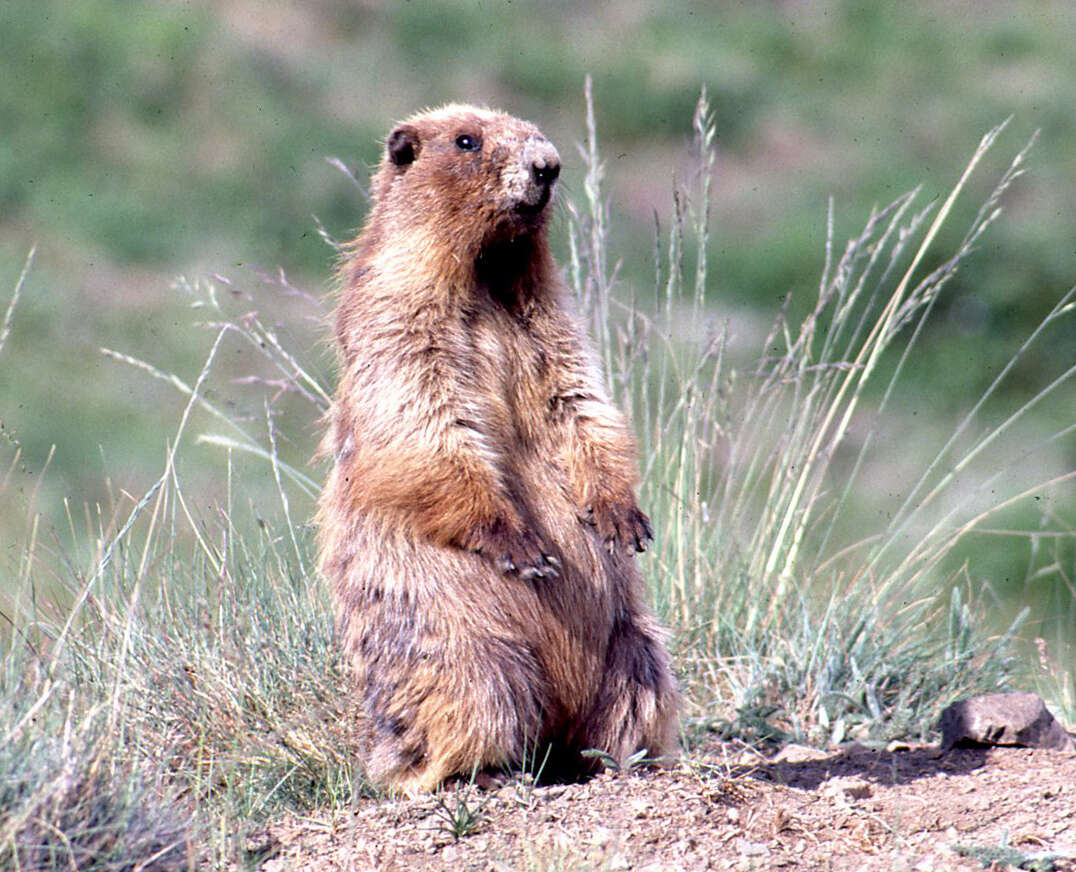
(1003, 719)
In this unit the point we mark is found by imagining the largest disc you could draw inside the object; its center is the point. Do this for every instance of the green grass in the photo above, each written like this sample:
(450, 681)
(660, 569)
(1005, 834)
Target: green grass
(179, 656)
(460, 812)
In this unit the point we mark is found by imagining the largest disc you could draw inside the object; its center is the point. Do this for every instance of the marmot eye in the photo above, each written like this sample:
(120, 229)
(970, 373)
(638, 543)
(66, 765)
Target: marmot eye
(466, 142)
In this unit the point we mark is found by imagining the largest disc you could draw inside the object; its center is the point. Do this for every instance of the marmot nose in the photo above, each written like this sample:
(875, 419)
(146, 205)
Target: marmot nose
(545, 171)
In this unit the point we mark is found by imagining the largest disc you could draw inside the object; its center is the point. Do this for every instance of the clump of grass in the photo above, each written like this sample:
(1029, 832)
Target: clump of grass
(787, 624)
(638, 760)
(532, 768)
(67, 801)
(199, 647)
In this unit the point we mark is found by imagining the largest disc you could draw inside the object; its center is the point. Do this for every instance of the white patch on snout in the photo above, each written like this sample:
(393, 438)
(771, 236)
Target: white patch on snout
(517, 180)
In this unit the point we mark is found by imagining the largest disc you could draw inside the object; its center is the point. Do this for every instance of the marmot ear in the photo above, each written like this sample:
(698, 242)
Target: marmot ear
(403, 145)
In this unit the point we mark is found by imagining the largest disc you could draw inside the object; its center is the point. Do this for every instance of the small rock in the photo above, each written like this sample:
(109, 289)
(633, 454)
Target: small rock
(847, 788)
(799, 754)
(1003, 719)
(261, 845)
(551, 791)
(752, 849)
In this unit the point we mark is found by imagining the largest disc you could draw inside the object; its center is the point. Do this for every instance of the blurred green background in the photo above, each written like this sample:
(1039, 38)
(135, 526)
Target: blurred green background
(140, 141)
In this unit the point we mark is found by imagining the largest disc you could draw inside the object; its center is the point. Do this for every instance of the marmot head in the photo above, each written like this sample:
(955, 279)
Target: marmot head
(471, 177)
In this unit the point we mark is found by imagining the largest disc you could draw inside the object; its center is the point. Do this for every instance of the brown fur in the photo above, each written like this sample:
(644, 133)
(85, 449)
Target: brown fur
(478, 527)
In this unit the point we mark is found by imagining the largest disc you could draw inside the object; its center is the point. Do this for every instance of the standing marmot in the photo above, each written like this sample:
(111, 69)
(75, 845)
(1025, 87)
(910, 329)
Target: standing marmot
(479, 525)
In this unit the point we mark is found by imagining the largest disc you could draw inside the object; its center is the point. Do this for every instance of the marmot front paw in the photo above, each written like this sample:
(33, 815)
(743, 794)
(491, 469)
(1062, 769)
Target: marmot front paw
(620, 525)
(513, 551)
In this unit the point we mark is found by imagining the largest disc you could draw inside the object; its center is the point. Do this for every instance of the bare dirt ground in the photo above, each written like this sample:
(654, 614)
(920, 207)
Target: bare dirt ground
(722, 808)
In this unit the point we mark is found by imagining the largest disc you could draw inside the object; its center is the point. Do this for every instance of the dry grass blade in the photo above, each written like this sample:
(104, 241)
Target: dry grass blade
(9, 314)
(827, 437)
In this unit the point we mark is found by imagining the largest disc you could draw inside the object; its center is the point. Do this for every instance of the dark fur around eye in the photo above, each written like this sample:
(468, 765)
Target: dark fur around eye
(467, 142)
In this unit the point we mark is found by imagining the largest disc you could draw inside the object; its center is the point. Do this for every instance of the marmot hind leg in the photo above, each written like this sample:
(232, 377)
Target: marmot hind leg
(468, 707)
(637, 706)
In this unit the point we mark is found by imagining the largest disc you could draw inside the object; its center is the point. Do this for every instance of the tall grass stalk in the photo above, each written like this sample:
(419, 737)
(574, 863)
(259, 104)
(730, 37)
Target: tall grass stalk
(9, 313)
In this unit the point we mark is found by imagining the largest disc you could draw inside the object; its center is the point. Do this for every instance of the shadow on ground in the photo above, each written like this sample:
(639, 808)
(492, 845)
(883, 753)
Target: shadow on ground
(879, 766)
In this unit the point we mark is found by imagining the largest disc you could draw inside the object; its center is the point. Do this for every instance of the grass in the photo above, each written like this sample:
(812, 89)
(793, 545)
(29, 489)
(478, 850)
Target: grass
(68, 803)
(172, 680)
(188, 657)
(784, 603)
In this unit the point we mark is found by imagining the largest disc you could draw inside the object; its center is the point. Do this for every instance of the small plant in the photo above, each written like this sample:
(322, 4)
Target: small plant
(530, 774)
(1004, 856)
(459, 815)
(638, 760)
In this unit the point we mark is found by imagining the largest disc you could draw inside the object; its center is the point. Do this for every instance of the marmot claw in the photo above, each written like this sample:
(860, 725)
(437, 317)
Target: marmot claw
(622, 526)
(515, 551)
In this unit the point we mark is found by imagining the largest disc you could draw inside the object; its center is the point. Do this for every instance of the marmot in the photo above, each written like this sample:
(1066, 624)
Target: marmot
(479, 524)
